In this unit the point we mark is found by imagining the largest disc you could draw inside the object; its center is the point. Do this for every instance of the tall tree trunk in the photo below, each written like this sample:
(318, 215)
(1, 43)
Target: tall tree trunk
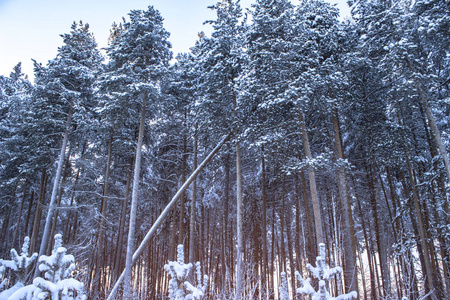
(239, 226)
(193, 213)
(431, 122)
(379, 242)
(312, 183)
(426, 253)
(127, 293)
(123, 215)
(27, 220)
(373, 290)
(350, 276)
(182, 198)
(239, 212)
(226, 200)
(38, 212)
(310, 241)
(264, 272)
(101, 230)
(19, 216)
(56, 183)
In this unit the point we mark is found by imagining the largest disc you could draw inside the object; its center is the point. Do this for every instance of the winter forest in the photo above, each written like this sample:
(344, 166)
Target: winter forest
(288, 155)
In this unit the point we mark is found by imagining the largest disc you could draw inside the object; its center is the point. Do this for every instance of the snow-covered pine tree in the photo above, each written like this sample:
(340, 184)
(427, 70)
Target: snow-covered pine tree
(139, 58)
(63, 96)
(179, 286)
(20, 264)
(57, 283)
(323, 274)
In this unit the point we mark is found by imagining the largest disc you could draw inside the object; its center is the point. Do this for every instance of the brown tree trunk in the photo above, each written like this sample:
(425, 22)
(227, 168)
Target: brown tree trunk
(264, 268)
(101, 230)
(38, 212)
(312, 183)
(182, 198)
(193, 213)
(19, 216)
(426, 253)
(381, 249)
(127, 292)
(349, 245)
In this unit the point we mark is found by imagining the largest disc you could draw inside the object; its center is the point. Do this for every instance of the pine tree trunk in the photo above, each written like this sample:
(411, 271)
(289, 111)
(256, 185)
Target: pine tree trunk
(310, 241)
(264, 272)
(379, 242)
(182, 198)
(428, 266)
(127, 293)
(38, 212)
(58, 203)
(56, 183)
(239, 226)
(101, 230)
(27, 220)
(193, 219)
(350, 276)
(373, 290)
(19, 216)
(312, 183)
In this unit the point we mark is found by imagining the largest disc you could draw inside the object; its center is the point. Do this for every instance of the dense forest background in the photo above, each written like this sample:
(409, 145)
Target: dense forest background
(336, 132)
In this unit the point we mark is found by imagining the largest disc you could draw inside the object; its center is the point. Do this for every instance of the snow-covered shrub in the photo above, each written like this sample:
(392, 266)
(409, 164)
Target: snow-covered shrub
(20, 264)
(283, 290)
(179, 286)
(57, 283)
(323, 274)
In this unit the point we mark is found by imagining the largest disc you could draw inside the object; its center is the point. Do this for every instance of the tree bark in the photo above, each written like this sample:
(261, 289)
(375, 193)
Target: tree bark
(127, 293)
(264, 272)
(426, 253)
(101, 230)
(350, 276)
(312, 184)
(193, 219)
(56, 183)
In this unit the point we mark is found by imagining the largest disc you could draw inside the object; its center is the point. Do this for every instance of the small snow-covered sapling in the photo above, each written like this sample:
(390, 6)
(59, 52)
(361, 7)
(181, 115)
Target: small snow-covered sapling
(20, 264)
(323, 274)
(179, 286)
(57, 282)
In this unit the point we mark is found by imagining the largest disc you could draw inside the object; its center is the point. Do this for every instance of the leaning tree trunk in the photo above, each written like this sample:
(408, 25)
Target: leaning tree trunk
(51, 206)
(127, 294)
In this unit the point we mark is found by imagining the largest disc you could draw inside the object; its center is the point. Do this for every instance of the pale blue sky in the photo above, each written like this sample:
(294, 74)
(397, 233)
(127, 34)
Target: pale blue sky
(31, 28)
